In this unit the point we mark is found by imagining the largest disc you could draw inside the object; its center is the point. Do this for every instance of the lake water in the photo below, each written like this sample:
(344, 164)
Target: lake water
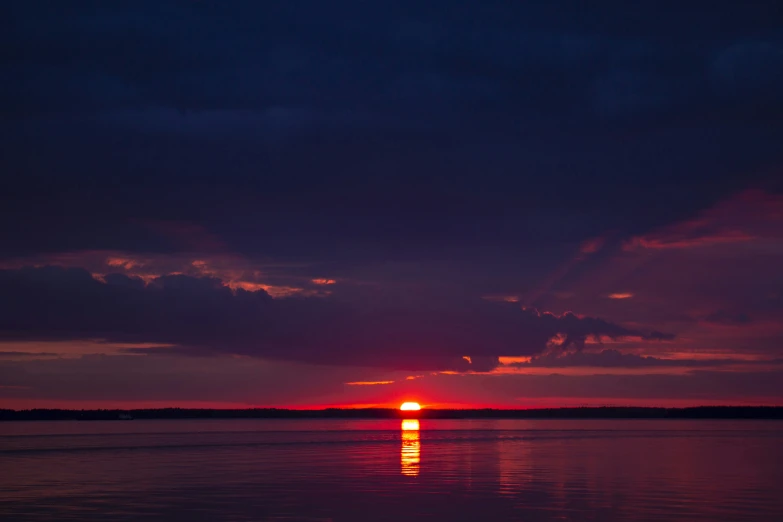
(373, 470)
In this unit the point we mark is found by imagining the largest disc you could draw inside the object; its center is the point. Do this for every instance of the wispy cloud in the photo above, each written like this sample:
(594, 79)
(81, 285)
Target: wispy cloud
(236, 272)
(750, 215)
(368, 383)
(620, 295)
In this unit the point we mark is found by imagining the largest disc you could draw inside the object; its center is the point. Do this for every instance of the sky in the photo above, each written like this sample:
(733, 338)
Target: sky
(468, 204)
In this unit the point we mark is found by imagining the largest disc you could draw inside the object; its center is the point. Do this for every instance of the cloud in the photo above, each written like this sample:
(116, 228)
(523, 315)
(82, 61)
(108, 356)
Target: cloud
(15, 354)
(168, 380)
(750, 215)
(629, 93)
(204, 256)
(206, 315)
(727, 318)
(247, 382)
(384, 55)
(615, 359)
(698, 386)
(415, 159)
(271, 123)
(750, 69)
(658, 336)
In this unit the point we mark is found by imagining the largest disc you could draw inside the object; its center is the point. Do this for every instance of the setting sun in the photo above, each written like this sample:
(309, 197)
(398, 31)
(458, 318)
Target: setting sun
(410, 406)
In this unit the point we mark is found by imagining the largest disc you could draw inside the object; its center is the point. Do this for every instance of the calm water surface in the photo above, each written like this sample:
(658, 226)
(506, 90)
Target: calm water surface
(368, 470)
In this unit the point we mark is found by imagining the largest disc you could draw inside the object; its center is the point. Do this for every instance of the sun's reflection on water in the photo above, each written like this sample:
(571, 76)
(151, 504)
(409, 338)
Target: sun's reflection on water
(410, 452)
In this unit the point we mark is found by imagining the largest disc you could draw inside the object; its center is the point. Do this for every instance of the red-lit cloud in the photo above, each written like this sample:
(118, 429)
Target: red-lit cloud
(751, 215)
(620, 295)
(233, 270)
(221, 304)
(202, 315)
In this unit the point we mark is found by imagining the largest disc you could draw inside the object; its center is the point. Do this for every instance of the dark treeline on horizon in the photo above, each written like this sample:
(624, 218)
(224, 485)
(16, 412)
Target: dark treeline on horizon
(606, 412)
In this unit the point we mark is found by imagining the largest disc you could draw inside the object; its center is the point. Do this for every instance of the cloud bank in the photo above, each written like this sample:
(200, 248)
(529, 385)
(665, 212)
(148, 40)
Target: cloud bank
(203, 315)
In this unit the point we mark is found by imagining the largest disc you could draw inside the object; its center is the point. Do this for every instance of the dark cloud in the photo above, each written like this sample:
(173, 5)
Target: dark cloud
(728, 318)
(751, 69)
(15, 355)
(202, 314)
(170, 380)
(313, 126)
(255, 382)
(749, 386)
(134, 378)
(249, 55)
(422, 156)
(615, 359)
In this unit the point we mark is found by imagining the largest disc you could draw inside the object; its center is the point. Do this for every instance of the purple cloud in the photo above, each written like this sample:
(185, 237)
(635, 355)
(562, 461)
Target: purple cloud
(202, 315)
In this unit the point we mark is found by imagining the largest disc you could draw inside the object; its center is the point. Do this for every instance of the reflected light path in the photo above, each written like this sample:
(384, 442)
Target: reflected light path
(410, 453)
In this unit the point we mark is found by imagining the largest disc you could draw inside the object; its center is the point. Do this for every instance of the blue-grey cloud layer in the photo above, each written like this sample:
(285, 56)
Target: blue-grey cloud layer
(379, 130)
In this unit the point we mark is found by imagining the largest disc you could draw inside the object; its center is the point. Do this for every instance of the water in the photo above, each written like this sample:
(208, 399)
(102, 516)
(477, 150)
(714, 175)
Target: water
(373, 470)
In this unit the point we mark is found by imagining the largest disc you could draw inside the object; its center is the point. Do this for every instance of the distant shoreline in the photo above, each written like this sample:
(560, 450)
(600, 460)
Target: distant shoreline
(608, 412)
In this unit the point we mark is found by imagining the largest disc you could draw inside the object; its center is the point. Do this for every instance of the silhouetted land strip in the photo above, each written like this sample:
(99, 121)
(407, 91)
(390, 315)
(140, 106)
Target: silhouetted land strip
(701, 412)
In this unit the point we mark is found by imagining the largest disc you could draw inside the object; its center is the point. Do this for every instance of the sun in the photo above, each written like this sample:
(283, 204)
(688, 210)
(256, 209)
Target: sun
(410, 406)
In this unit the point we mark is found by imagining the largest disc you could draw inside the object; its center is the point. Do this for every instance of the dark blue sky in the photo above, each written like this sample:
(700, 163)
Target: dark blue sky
(435, 163)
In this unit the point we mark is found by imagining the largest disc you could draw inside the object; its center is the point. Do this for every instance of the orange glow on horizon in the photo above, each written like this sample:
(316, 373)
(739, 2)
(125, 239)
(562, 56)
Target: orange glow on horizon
(410, 406)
